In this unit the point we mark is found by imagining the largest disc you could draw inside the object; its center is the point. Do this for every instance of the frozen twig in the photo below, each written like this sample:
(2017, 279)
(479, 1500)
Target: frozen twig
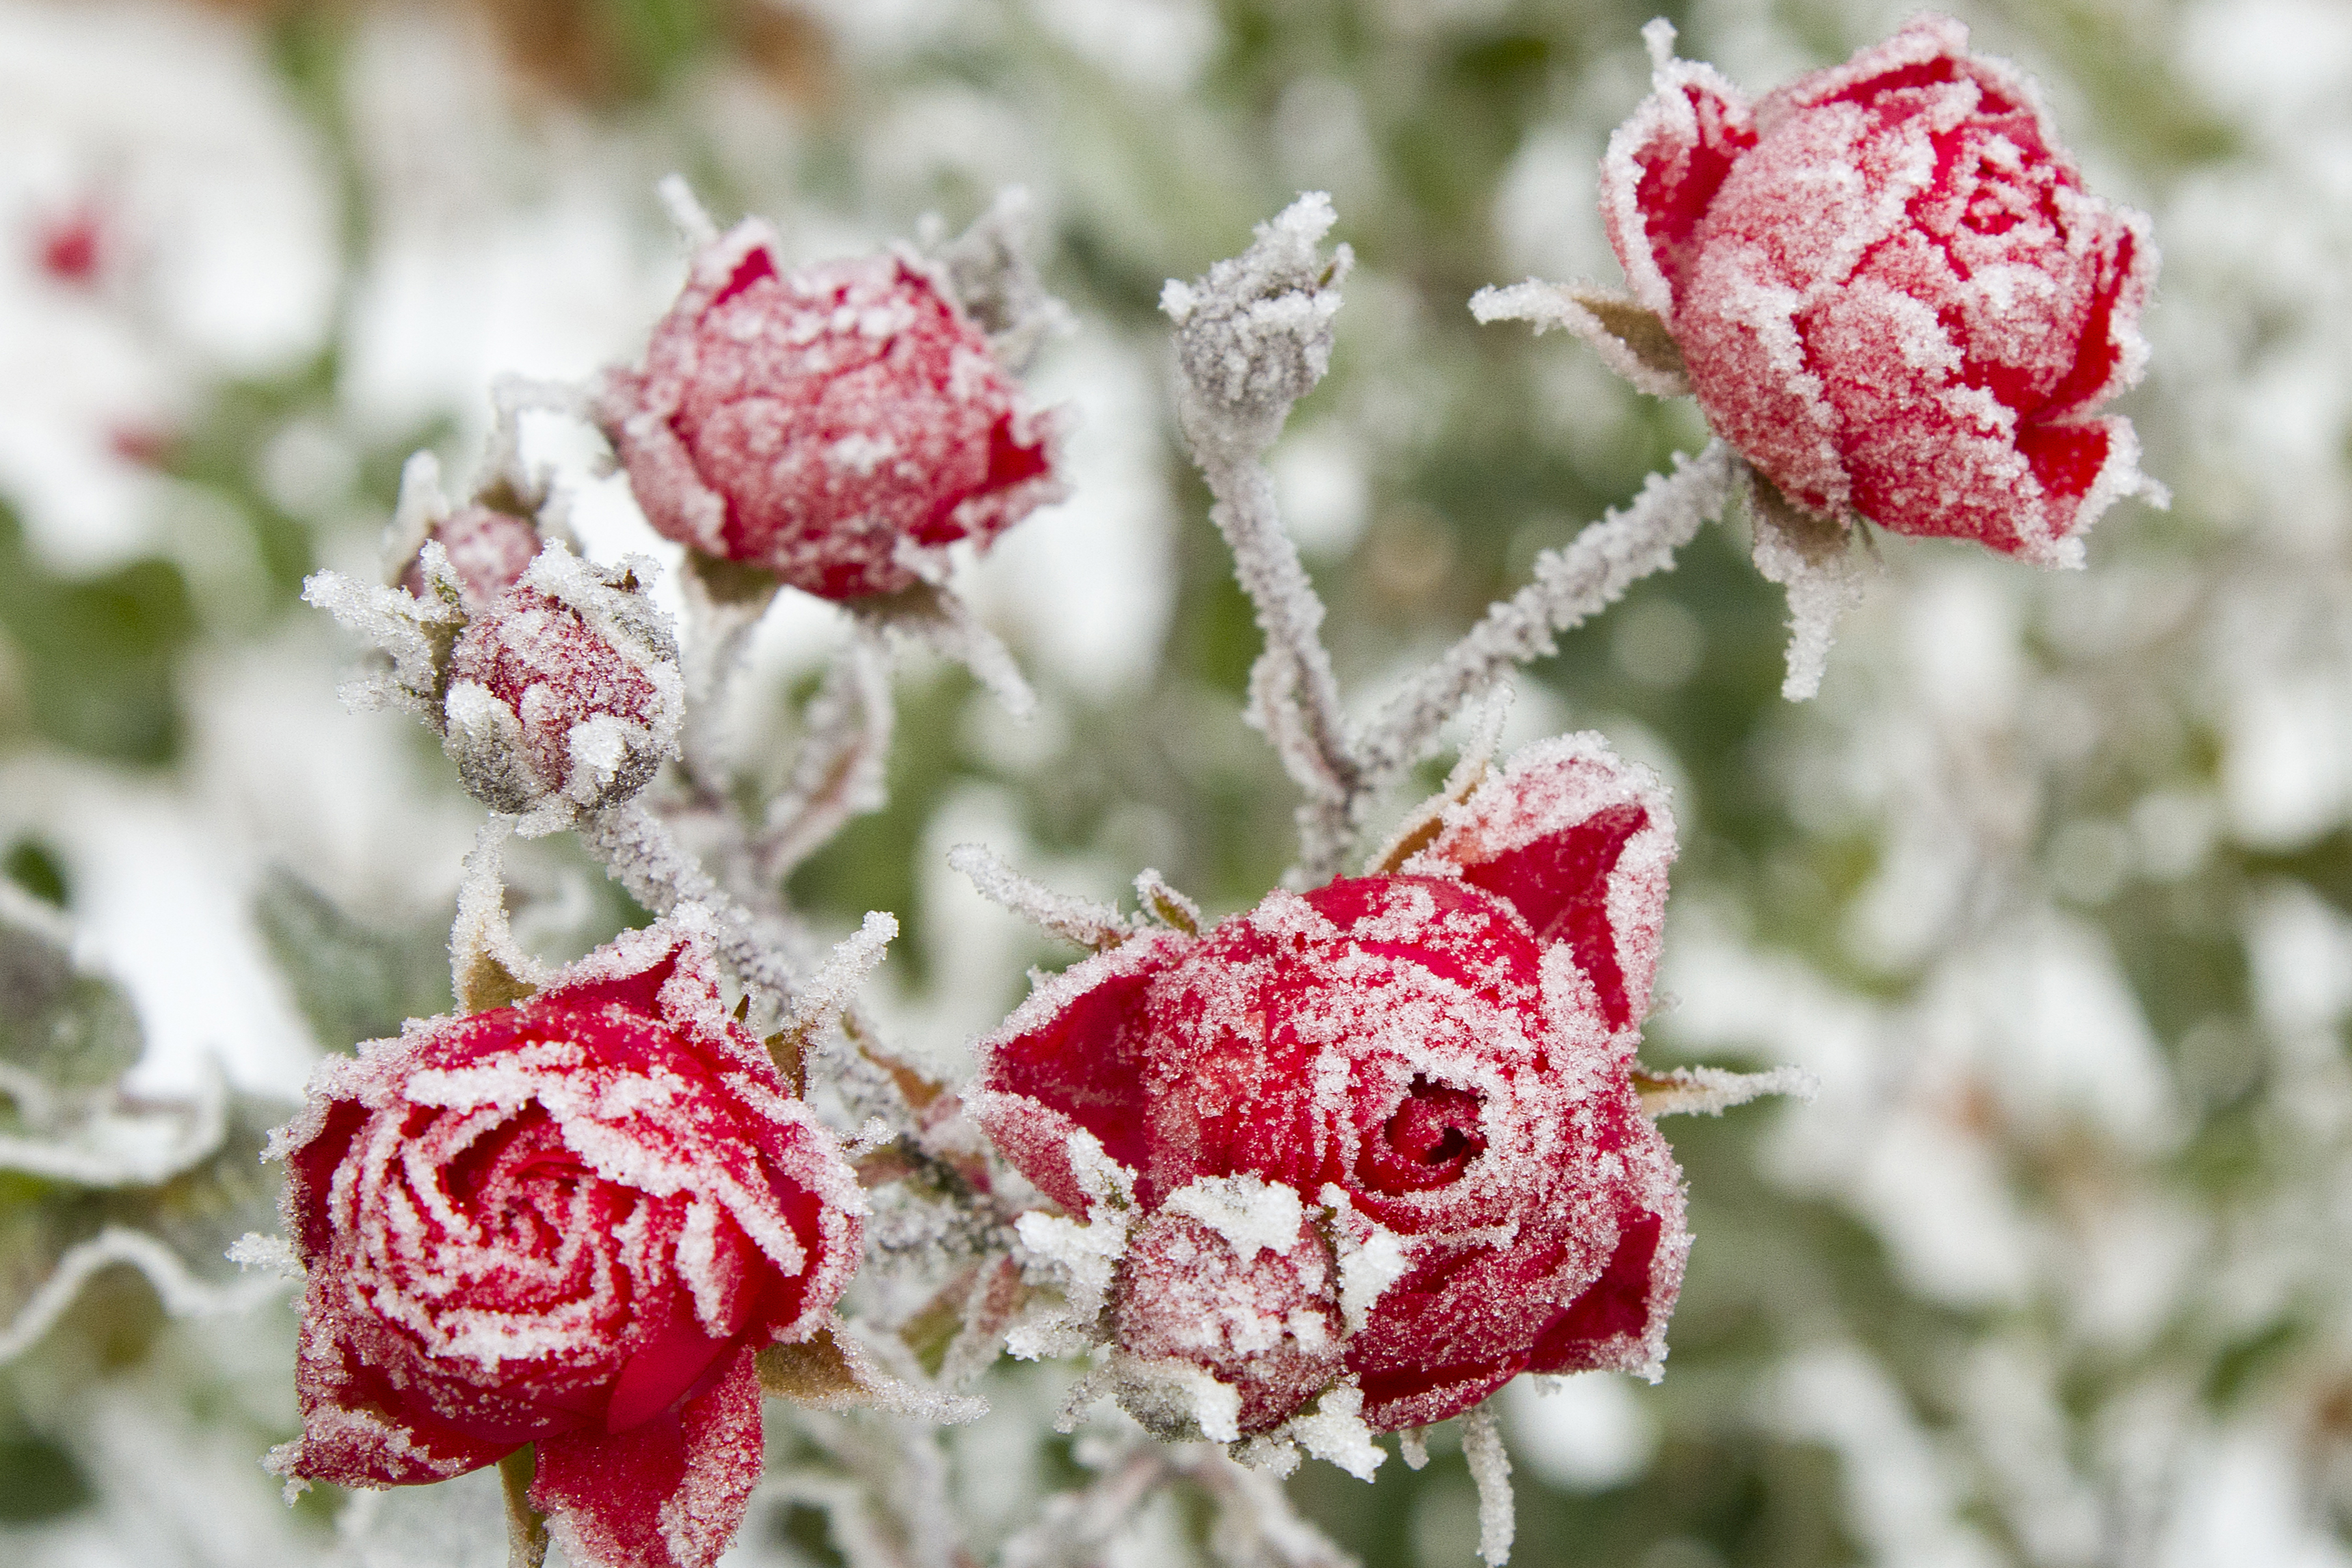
(1251, 337)
(1080, 920)
(1571, 584)
(840, 772)
(641, 853)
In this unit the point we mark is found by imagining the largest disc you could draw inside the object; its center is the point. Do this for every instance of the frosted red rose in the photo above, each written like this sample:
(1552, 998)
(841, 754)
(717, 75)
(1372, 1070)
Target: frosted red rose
(1891, 290)
(839, 425)
(568, 1223)
(1383, 1134)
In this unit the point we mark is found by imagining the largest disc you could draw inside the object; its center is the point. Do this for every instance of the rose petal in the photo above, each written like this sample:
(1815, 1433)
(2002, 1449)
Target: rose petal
(666, 1493)
(1578, 843)
(1662, 168)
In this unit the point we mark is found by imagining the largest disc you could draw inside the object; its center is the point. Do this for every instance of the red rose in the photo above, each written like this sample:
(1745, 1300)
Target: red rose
(563, 692)
(1384, 1131)
(1890, 289)
(569, 1223)
(828, 425)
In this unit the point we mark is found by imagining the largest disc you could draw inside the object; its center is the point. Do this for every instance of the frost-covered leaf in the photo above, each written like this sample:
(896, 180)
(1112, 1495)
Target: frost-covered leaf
(353, 981)
(1630, 337)
(62, 1028)
(1812, 557)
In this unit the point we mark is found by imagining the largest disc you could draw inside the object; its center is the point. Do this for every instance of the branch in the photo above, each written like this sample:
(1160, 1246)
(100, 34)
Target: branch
(1251, 337)
(1571, 584)
(641, 854)
(840, 771)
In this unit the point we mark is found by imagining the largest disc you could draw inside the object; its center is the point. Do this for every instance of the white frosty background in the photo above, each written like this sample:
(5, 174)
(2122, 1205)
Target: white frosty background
(1998, 1114)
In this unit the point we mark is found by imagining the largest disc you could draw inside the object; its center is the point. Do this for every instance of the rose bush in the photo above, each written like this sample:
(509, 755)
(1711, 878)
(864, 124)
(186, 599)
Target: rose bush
(1890, 289)
(1383, 1134)
(568, 1223)
(839, 425)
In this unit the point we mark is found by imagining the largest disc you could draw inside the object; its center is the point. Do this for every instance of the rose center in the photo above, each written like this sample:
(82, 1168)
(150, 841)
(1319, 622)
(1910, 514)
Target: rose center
(1428, 1140)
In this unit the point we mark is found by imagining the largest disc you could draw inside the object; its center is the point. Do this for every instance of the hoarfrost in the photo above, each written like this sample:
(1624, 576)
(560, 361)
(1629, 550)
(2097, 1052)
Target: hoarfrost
(1334, 1431)
(1066, 916)
(1630, 337)
(1811, 557)
(1251, 1213)
(1712, 1091)
(1490, 1467)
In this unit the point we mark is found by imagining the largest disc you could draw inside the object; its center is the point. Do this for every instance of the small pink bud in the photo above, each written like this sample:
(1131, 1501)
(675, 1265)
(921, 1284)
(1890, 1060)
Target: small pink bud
(834, 425)
(563, 693)
(488, 550)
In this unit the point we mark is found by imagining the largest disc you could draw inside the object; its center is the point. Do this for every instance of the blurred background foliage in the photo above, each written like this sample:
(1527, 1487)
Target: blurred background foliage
(2052, 886)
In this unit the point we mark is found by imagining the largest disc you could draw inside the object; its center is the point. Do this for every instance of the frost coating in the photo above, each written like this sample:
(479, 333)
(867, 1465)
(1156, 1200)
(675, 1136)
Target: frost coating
(568, 1223)
(839, 425)
(1890, 289)
(1380, 1138)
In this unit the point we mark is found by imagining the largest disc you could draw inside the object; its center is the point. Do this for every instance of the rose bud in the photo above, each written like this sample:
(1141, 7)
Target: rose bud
(1380, 1135)
(1889, 289)
(838, 426)
(564, 693)
(568, 1223)
(488, 551)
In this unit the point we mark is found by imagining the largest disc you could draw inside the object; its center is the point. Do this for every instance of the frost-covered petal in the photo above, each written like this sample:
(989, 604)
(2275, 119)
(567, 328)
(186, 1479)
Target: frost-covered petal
(1661, 170)
(668, 1492)
(1578, 843)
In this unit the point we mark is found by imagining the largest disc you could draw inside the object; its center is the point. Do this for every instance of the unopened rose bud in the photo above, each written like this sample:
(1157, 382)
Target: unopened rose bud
(564, 693)
(1890, 289)
(488, 550)
(1255, 335)
(836, 424)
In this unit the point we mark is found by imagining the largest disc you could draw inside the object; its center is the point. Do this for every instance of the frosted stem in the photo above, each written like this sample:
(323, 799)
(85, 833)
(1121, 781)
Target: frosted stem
(839, 773)
(1571, 584)
(1294, 696)
(1253, 336)
(641, 853)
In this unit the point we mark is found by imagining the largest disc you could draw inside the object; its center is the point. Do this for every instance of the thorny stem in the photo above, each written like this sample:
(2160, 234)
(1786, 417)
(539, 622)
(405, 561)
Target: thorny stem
(1294, 696)
(641, 853)
(1571, 584)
